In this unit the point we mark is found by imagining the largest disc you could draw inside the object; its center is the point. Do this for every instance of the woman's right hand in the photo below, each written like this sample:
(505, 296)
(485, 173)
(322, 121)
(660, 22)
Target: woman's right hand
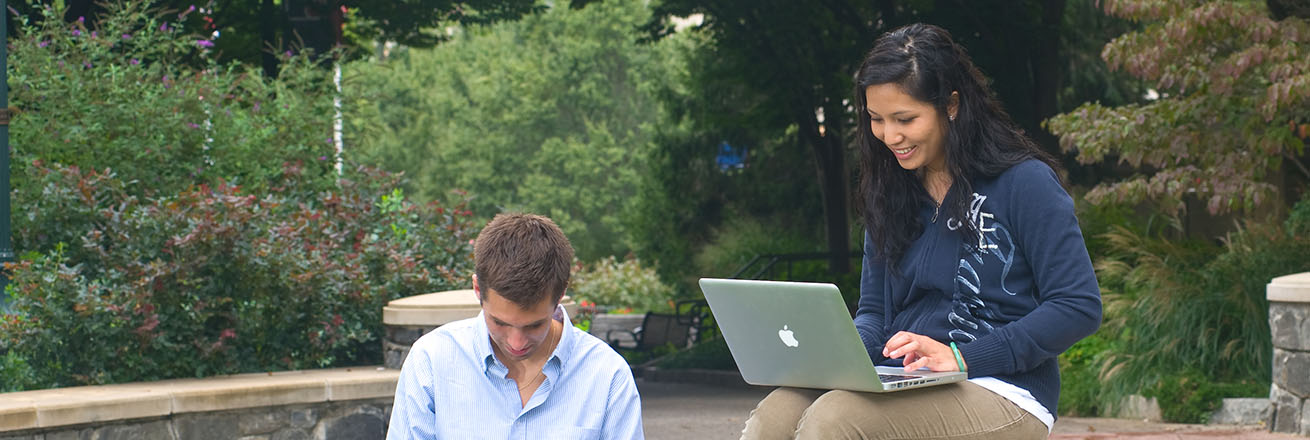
(920, 351)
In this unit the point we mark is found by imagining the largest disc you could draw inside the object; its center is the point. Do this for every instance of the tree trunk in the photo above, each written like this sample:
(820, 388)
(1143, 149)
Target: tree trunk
(1046, 66)
(830, 159)
(268, 35)
(832, 179)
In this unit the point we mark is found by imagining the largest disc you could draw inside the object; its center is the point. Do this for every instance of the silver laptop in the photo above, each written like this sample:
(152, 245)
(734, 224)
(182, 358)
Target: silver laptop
(801, 335)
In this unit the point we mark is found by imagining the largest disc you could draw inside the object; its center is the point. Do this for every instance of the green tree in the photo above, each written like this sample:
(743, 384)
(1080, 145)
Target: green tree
(1233, 87)
(121, 96)
(552, 114)
(248, 29)
(1230, 86)
(691, 208)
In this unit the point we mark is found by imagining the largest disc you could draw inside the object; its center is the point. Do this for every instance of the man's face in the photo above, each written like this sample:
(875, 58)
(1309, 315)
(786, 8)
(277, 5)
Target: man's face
(516, 333)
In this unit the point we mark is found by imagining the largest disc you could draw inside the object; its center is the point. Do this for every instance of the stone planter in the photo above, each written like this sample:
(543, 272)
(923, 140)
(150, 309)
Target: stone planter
(407, 319)
(1289, 321)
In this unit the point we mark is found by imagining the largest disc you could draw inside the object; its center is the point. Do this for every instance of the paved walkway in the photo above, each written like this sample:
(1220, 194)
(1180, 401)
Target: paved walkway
(676, 411)
(1079, 428)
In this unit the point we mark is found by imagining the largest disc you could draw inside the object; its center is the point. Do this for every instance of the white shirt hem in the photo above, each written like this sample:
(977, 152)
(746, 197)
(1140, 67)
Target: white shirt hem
(1019, 396)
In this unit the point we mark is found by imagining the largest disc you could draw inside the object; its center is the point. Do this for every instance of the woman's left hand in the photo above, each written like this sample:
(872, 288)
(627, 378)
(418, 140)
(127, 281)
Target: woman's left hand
(920, 351)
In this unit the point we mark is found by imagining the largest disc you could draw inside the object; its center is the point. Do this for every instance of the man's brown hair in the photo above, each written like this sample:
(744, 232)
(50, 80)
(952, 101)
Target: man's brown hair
(525, 258)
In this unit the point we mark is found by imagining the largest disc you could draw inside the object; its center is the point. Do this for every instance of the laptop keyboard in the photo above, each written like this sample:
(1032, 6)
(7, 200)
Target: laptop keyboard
(895, 377)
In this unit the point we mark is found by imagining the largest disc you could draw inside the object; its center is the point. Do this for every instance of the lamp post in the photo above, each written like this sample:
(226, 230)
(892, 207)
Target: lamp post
(6, 245)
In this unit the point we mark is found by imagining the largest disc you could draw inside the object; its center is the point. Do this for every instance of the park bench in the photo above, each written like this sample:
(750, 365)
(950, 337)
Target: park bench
(682, 328)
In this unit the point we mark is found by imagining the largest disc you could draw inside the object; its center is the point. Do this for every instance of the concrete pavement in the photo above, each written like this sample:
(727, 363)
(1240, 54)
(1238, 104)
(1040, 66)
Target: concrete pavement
(1087, 428)
(677, 411)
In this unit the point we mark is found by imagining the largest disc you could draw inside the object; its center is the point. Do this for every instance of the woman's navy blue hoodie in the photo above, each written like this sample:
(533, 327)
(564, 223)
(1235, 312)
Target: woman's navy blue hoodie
(1012, 298)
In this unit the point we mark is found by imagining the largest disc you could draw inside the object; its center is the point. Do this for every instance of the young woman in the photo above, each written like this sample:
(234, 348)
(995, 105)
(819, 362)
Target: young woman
(973, 260)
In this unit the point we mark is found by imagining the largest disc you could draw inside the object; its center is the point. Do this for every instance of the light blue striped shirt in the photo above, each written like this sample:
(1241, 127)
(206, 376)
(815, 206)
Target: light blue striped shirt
(453, 387)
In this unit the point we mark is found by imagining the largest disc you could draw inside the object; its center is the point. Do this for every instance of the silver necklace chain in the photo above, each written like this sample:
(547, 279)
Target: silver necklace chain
(542, 372)
(534, 379)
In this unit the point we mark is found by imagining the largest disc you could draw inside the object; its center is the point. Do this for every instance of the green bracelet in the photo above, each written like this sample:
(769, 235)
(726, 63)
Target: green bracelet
(959, 361)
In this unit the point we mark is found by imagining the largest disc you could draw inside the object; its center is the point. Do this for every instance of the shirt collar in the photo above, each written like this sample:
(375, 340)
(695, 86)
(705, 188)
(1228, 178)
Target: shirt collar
(563, 350)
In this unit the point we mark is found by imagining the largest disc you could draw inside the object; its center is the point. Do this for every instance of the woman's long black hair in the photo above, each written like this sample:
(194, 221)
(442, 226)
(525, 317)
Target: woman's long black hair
(982, 141)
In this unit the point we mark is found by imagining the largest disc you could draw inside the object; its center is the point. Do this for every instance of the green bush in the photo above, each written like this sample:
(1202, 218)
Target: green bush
(15, 374)
(215, 280)
(1096, 220)
(1190, 396)
(1175, 305)
(183, 218)
(742, 238)
(622, 285)
(140, 95)
(1080, 382)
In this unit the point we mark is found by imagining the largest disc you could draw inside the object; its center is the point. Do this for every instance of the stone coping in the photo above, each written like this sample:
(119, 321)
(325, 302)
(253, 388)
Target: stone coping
(440, 308)
(101, 403)
(1289, 288)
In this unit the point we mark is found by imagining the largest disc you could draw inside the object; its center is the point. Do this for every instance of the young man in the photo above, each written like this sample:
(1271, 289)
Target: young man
(519, 369)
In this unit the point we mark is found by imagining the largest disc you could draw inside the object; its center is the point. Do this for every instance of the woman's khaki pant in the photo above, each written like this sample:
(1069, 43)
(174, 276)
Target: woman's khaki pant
(956, 411)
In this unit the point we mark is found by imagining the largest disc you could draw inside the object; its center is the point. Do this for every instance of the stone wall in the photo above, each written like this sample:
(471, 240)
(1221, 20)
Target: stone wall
(338, 403)
(395, 346)
(351, 420)
(1290, 324)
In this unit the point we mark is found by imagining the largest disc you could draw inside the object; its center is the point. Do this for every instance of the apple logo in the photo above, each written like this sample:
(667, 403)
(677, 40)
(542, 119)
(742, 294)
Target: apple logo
(788, 337)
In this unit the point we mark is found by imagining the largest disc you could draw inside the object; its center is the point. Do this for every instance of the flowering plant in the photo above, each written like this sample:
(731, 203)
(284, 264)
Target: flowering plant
(216, 280)
(139, 96)
(180, 218)
(622, 286)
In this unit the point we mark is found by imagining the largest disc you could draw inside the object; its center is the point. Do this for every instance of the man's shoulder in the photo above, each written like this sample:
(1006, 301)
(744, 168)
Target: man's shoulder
(596, 354)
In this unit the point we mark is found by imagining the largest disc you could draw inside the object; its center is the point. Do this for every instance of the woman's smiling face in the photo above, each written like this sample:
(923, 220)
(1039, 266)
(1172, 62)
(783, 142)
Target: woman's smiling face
(913, 130)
